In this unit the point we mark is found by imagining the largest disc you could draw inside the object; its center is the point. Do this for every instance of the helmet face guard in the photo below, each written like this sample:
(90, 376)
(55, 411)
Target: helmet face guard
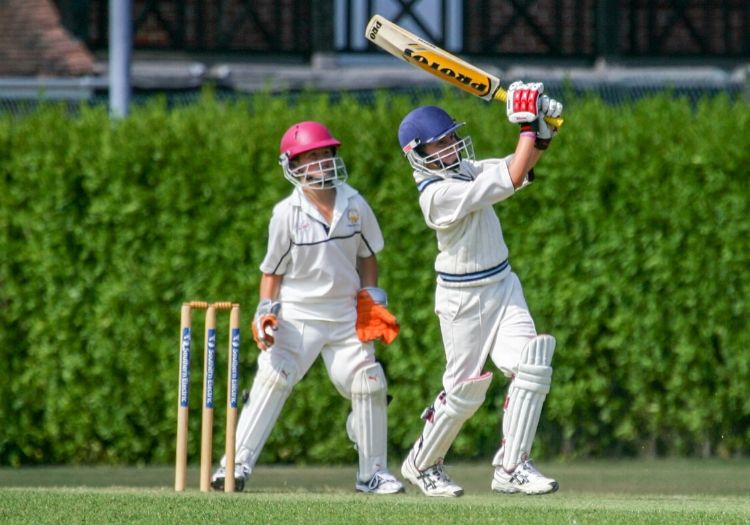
(428, 124)
(316, 175)
(445, 161)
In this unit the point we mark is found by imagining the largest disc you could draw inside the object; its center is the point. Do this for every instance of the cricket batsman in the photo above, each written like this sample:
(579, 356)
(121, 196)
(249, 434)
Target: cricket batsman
(479, 299)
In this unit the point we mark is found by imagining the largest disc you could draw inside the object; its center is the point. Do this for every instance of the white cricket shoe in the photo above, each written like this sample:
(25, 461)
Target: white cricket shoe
(525, 479)
(383, 482)
(433, 481)
(241, 475)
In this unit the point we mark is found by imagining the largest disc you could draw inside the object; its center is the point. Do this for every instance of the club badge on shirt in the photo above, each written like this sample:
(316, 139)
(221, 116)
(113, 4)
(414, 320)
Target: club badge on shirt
(353, 216)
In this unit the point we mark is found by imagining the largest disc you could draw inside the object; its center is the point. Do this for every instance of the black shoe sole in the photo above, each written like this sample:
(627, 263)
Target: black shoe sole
(218, 485)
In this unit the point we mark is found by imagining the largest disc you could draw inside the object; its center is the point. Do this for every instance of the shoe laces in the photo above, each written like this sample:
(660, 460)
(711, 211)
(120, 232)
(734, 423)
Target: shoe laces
(436, 475)
(379, 478)
(529, 468)
(243, 471)
(524, 472)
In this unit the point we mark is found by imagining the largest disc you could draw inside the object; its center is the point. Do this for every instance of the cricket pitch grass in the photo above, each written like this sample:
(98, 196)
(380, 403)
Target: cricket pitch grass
(597, 492)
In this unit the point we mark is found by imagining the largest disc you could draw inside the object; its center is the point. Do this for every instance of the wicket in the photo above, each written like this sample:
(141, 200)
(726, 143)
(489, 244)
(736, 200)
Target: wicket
(183, 392)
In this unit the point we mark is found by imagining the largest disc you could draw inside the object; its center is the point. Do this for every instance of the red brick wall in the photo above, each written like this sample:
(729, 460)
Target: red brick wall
(33, 43)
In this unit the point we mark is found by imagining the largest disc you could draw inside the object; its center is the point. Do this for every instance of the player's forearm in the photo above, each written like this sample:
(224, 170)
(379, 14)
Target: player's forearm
(270, 284)
(533, 159)
(368, 271)
(524, 159)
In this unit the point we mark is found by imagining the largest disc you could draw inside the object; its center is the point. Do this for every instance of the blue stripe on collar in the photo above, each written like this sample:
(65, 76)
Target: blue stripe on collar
(422, 185)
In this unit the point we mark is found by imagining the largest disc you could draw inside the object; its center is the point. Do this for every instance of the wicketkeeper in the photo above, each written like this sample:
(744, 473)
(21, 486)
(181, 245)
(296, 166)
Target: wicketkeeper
(478, 299)
(319, 296)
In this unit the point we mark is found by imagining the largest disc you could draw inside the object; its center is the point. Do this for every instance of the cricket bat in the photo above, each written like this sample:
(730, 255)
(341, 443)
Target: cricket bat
(418, 52)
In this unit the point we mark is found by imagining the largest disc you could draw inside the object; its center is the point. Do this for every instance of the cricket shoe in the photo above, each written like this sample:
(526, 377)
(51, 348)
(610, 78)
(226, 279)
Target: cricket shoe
(383, 482)
(433, 481)
(241, 475)
(525, 479)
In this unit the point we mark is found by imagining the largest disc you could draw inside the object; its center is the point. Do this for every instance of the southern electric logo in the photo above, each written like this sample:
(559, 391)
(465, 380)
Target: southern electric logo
(452, 72)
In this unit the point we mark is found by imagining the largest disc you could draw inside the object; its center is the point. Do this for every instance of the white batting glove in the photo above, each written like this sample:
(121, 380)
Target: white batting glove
(549, 107)
(522, 103)
(545, 131)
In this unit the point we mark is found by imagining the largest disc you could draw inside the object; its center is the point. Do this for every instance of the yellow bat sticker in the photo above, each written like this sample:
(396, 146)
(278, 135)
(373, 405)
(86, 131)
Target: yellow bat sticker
(457, 74)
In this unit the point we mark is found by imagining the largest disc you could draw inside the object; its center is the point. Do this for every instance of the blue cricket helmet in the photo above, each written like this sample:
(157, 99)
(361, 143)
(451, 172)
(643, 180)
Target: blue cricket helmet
(427, 124)
(423, 125)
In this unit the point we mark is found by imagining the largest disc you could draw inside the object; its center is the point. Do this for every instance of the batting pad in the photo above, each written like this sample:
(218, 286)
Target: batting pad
(445, 419)
(270, 390)
(525, 400)
(367, 425)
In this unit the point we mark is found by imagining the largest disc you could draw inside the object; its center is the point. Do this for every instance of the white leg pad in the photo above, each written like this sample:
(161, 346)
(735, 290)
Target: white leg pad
(523, 406)
(268, 394)
(445, 418)
(367, 424)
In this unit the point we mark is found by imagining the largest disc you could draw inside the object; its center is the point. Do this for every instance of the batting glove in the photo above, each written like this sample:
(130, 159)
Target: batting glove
(548, 107)
(374, 321)
(522, 103)
(265, 323)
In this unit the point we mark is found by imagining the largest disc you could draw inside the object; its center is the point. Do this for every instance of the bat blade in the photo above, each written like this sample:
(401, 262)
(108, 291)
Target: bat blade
(416, 51)
(436, 61)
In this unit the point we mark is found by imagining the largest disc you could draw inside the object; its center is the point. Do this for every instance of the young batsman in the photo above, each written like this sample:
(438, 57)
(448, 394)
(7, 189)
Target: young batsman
(319, 296)
(478, 299)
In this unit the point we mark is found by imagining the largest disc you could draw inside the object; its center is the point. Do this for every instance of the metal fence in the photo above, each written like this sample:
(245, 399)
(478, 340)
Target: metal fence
(571, 92)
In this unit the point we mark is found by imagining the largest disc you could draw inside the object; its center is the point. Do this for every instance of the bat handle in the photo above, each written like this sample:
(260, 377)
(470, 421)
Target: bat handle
(555, 122)
(502, 95)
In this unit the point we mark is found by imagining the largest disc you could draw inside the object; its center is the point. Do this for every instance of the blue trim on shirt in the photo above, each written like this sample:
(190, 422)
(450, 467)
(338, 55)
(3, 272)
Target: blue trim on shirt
(474, 276)
(323, 241)
(422, 185)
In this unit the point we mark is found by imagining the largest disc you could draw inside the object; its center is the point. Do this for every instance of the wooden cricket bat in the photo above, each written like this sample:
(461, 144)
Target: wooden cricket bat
(416, 51)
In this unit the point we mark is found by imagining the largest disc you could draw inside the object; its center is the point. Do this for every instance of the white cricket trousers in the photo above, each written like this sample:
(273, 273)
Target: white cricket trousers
(302, 341)
(480, 321)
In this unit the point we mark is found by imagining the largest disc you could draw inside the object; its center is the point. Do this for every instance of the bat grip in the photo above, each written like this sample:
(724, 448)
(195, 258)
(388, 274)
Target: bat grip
(502, 95)
(555, 122)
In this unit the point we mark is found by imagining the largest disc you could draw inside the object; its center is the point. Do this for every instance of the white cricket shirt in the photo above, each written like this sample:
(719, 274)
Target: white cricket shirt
(471, 247)
(318, 261)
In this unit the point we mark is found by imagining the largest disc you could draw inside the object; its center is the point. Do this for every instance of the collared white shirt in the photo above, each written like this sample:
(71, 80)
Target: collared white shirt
(470, 239)
(319, 261)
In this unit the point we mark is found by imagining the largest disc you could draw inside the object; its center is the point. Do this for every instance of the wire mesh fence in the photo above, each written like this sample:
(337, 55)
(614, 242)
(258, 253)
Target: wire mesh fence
(611, 93)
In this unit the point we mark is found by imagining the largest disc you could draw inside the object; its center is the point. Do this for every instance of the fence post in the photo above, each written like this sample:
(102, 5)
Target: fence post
(120, 50)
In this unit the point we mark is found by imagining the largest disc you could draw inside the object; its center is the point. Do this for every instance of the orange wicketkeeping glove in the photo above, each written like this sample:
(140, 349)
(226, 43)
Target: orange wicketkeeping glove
(374, 321)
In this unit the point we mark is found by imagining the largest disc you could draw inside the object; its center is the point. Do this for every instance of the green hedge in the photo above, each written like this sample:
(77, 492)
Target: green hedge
(632, 247)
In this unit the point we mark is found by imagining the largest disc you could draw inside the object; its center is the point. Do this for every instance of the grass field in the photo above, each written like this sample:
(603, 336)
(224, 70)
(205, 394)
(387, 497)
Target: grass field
(602, 492)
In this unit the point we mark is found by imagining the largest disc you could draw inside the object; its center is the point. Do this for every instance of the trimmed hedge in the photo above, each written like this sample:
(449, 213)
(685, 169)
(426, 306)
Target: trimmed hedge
(632, 247)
